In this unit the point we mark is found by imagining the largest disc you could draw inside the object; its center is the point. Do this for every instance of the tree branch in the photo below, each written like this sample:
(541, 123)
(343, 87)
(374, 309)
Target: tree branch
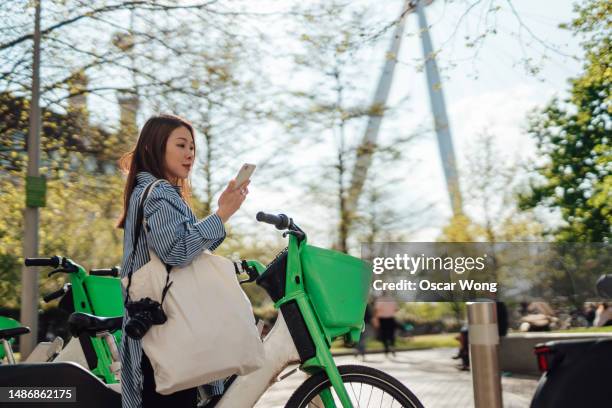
(130, 5)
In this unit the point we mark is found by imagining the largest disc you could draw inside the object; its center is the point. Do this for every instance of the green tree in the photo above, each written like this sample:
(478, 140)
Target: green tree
(77, 222)
(574, 137)
(64, 140)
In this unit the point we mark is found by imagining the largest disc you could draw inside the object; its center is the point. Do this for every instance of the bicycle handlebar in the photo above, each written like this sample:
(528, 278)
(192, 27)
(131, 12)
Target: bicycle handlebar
(54, 261)
(58, 293)
(280, 221)
(114, 271)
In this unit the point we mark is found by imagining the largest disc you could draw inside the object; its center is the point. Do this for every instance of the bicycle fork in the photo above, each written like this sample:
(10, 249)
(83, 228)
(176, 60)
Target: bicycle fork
(323, 358)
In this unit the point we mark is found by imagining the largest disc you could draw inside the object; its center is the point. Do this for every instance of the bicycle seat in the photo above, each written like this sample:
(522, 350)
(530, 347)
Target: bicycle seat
(80, 323)
(13, 332)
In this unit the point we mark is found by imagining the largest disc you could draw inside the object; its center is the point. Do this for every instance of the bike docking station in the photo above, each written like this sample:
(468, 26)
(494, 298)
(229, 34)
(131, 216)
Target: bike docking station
(483, 339)
(320, 295)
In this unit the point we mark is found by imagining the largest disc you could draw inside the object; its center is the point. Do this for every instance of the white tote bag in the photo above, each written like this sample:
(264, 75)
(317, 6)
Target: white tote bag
(210, 333)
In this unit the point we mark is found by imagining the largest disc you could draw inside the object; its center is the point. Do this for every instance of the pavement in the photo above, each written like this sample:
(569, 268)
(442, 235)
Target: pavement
(430, 374)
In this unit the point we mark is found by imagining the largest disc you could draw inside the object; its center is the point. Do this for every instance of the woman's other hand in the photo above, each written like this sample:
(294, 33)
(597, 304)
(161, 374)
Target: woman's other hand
(231, 199)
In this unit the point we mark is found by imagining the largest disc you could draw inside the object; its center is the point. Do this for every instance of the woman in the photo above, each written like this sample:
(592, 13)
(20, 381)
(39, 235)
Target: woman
(165, 150)
(385, 308)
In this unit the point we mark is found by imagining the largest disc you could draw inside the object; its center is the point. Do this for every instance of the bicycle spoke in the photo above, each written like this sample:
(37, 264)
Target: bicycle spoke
(358, 405)
(360, 386)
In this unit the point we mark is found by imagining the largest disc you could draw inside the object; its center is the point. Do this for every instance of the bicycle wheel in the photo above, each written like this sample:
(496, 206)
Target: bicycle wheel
(365, 385)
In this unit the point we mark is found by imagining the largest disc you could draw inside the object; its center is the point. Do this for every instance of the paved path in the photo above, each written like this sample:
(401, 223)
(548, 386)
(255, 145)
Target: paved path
(430, 374)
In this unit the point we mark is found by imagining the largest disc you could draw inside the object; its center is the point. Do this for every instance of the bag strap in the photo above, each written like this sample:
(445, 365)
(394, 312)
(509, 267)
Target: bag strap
(137, 229)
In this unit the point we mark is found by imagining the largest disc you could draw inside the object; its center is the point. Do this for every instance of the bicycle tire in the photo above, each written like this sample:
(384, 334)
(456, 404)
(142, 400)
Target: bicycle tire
(310, 388)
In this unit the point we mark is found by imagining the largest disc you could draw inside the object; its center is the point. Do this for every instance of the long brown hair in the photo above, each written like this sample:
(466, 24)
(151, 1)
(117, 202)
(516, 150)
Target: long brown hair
(149, 154)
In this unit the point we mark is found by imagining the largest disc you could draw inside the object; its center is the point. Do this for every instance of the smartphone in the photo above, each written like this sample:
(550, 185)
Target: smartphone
(245, 173)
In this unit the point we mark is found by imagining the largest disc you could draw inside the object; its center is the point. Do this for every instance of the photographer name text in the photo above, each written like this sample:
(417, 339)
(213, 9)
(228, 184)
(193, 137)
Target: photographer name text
(426, 285)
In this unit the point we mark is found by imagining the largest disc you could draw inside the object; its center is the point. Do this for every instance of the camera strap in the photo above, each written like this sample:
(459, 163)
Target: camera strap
(136, 238)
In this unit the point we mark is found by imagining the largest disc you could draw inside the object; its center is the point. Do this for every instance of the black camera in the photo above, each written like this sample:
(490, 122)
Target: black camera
(142, 314)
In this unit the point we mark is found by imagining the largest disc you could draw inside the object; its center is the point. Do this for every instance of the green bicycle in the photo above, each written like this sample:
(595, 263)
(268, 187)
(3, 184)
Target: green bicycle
(321, 295)
(97, 293)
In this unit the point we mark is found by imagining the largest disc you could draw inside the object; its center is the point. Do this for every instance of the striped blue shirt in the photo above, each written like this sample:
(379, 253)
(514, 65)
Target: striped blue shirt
(176, 237)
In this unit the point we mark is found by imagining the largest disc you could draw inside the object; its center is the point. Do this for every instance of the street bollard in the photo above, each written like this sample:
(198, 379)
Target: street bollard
(483, 337)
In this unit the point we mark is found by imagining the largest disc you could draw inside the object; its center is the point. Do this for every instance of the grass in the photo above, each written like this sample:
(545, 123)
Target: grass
(604, 329)
(411, 343)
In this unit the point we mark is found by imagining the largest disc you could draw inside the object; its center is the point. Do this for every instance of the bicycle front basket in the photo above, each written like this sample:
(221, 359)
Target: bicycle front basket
(338, 286)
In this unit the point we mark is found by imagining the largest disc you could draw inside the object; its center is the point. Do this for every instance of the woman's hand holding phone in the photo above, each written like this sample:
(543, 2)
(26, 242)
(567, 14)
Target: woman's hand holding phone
(231, 199)
(235, 193)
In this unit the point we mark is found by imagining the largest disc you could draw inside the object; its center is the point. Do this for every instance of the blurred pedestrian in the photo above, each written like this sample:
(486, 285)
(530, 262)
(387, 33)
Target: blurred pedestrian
(385, 308)
(464, 348)
(603, 315)
(589, 314)
(463, 336)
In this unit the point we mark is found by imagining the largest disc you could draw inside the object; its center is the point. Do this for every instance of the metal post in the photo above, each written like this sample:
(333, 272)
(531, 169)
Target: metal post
(8, 351)
(438, 108)
(29, 276)
(483, 337)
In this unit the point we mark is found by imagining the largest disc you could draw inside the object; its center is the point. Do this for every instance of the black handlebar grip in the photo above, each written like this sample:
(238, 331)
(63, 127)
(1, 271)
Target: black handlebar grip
(54, 261)
(280, 221)
(51, 296)
(114, 271)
